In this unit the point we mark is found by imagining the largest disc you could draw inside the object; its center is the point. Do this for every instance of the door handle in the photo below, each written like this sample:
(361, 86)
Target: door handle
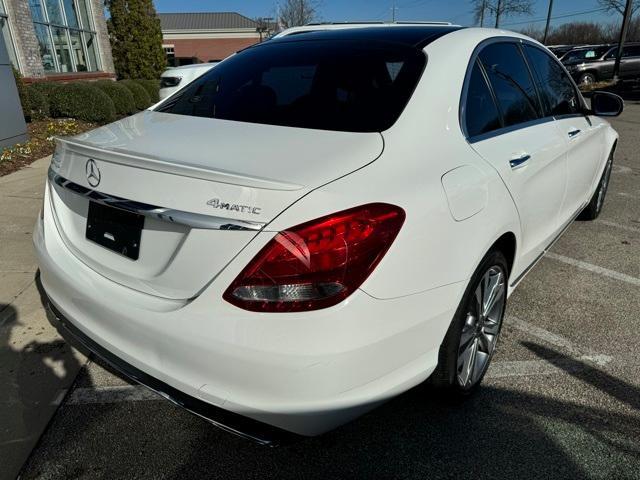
(573, 133)
(520, 161)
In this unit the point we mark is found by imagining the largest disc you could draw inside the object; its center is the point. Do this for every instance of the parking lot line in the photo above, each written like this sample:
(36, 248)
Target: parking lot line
(595, 269)
(617, 225)
(543, 334)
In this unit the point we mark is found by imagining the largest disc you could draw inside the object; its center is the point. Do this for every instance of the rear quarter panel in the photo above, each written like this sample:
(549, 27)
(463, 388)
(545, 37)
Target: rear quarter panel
(433, 248)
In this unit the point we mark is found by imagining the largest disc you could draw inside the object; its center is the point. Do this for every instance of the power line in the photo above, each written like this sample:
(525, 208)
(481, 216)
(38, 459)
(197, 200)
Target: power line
(567, 15)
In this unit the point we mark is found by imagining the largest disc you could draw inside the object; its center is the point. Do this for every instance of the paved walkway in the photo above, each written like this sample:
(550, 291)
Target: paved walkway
(36, 365)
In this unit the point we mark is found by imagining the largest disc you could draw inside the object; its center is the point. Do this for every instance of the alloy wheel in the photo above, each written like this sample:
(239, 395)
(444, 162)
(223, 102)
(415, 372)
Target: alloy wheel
(481, 327)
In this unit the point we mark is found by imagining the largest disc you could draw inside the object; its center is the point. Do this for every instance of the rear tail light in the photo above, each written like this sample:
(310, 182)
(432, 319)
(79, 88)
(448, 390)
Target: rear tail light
(319, 263)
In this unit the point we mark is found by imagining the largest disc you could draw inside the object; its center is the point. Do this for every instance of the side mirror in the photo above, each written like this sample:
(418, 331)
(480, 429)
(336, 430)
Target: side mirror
(606, 104)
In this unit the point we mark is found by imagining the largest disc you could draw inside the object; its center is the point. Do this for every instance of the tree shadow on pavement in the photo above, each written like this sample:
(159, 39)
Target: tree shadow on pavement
(32, 373)
(498, 433)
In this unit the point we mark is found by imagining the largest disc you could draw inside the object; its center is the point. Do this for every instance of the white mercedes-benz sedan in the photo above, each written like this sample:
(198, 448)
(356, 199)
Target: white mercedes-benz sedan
(322, 221)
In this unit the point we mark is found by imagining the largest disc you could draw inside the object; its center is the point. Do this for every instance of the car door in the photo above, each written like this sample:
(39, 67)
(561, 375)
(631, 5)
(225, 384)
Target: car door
(630, 62)
(525, 148)
(562, 100)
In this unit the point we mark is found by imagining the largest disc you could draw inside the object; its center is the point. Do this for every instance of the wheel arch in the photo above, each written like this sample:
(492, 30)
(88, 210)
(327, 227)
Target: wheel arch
(506, 244)
(591, 71)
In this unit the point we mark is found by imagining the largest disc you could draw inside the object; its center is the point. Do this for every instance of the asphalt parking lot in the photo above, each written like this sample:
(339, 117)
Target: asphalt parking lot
(561, 400)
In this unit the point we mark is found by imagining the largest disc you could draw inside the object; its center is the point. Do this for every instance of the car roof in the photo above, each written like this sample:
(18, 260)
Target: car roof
(410, 34)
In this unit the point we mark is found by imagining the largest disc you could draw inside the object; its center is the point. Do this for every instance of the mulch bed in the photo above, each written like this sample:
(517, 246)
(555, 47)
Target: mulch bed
(40, 143)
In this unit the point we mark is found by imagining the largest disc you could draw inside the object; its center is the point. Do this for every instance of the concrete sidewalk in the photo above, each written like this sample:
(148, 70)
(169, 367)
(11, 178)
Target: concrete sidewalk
(36, 365)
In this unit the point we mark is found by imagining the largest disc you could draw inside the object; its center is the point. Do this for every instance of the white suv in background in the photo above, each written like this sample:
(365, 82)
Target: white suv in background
(322, 221)
(175, 78)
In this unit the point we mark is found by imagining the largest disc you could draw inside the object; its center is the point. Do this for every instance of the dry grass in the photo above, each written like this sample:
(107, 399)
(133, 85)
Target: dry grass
(596, 86)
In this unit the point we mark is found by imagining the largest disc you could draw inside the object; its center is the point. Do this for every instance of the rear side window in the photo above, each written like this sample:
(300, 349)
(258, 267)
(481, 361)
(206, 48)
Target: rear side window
(631, 51)
(558, 92)
(511, 82)
(480, 114)
(323, 84)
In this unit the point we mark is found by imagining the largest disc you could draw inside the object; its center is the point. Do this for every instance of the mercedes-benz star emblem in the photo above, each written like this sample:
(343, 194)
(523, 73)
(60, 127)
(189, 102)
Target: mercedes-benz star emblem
(93, 173)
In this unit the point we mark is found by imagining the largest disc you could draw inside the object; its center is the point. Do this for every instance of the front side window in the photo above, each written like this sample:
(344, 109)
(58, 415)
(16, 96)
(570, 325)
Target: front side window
(65, 35)
(322, 84)
(480, 111)
(6, 34)
(558, 92)
(509, 76)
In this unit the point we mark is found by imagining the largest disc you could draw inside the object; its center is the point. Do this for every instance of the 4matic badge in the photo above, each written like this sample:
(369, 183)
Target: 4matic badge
(233, 207)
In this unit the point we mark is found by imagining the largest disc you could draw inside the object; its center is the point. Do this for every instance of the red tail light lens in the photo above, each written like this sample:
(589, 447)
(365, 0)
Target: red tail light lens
(319, 263)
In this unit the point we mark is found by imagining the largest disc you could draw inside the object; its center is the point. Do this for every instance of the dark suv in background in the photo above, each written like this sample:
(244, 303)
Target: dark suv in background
(594, 64)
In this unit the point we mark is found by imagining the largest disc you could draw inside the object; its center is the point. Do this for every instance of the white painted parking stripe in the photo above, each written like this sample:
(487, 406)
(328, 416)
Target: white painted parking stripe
(617, 225)
(621, 169)
(595, 269)
(541, 333)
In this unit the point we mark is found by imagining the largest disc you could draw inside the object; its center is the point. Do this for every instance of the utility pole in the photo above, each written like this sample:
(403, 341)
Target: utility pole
(546, 28)
(498, 12)
(484, 7)
(623, 36)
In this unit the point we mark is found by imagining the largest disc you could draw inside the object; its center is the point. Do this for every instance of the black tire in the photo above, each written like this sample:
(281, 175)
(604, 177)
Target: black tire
(587, 78)
(594, 207)
(446, 376)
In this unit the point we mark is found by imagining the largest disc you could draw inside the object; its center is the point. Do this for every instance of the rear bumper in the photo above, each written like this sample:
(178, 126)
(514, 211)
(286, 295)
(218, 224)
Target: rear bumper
(258, 375)
(231, 422)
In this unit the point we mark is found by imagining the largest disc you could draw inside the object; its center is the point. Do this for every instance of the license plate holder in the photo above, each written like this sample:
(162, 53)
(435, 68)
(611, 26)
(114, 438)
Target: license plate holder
(115, 229)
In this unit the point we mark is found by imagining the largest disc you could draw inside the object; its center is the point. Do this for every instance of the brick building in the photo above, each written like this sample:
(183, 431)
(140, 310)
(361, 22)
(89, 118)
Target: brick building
(57, 39)
(203, 37)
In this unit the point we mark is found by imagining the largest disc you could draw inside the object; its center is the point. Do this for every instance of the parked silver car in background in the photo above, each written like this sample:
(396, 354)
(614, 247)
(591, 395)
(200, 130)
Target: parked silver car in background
(173, 79)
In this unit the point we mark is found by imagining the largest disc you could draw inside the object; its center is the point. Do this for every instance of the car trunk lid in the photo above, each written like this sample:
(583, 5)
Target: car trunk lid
(204, 186)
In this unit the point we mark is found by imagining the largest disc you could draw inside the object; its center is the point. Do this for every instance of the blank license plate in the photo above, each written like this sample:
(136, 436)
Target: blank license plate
(115, 229)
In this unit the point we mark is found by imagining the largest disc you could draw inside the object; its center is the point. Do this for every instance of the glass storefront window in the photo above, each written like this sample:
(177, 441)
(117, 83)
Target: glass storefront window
(90, 40)
(63, 52)
(46, 52)
(54, 11)
(84, 15)
(6, 35)
(36, 11)
(64, 27)
(70, 13)
(78, 51)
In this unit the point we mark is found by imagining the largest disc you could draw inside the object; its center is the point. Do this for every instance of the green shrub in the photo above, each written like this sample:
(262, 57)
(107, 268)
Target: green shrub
(38, 103)
(45, 88)
(82, 101)
(22, 93)
(152, 87)
(140, 95)
(120, 95)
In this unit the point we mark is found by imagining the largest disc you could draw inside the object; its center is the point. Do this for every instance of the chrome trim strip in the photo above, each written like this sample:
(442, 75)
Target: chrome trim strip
(190, 219)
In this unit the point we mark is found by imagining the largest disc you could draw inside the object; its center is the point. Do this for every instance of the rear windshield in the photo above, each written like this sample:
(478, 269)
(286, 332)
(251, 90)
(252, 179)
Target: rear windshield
(328, 85)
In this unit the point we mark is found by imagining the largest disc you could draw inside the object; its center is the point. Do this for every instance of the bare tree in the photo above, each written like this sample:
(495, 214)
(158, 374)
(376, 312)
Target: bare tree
(578, 33)
(618, 5)
(500, 9)
(294, 13)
